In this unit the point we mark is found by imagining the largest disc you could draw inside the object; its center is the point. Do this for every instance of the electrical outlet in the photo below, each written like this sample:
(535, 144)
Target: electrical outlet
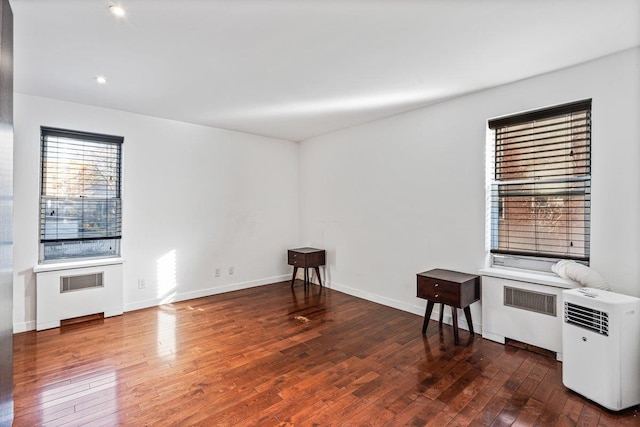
(141, 284)
(217, 273)
(231, 270)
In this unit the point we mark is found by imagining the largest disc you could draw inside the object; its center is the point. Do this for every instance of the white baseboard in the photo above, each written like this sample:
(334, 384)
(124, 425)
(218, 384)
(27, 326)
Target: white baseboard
(415, 309)
(502, 340)
(462, 321)
(29, 325)
(493, 337)
(139, 305)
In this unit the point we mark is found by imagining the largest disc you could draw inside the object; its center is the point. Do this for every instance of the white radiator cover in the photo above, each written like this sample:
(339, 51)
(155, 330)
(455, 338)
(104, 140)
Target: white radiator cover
(52, 305)
(500, 322)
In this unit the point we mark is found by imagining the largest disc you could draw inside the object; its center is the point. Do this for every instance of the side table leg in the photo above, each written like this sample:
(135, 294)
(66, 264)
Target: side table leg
(293, 279)
(441, 314)
(454, 314)
(467, 315)
(318, 274)
(427, 316)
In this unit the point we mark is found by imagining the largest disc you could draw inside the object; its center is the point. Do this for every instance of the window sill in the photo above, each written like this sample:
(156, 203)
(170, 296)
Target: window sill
(67, 265)
(528, 277)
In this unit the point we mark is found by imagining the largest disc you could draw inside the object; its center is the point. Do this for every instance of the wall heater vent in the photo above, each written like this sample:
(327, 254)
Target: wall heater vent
(68, 293)
(524, 299)
(585, 317)
(79, 282)
(522, 311)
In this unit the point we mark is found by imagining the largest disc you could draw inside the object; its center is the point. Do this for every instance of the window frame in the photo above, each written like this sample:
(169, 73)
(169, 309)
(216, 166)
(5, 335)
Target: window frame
(112, 227)
(525, 259)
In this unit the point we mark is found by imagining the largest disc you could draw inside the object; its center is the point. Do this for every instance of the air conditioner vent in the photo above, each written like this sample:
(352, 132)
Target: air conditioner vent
(77, 283)
(588, 318)
(538, 302)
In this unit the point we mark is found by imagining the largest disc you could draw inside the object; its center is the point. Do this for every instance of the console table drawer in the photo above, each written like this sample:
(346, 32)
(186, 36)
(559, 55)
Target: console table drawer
(439, 291)
(295, 259)
(311, 259)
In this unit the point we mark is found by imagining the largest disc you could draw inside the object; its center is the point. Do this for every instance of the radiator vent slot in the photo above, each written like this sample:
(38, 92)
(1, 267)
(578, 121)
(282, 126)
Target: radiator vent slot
(587, 318)
(84, 281)
(529, 300)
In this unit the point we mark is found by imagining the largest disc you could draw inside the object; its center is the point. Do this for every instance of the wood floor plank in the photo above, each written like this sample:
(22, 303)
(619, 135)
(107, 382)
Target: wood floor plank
(271, 355)
(590, 416)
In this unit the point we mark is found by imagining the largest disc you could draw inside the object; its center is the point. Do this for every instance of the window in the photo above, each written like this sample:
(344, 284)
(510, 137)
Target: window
(540, 187)
(80, 205)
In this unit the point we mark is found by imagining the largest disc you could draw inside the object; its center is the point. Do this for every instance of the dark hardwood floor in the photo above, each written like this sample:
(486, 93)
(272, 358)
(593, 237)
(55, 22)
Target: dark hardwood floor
(276, 356)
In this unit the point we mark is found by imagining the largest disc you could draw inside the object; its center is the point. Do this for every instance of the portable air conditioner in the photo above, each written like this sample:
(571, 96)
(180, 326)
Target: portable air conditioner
(601, 346)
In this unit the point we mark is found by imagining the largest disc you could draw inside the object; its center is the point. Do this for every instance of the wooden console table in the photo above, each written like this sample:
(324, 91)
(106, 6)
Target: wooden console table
(306, 258)
(458, 290)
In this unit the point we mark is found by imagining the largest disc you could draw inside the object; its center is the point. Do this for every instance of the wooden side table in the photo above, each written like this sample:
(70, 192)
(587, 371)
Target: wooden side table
(458, 290)
(306, 258)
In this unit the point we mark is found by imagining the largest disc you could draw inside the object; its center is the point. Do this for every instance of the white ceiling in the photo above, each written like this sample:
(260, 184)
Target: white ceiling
(295, 69)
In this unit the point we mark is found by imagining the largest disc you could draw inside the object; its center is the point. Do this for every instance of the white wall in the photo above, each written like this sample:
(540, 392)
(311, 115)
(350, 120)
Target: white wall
(206, 197)
(398, 196)
(386, 199)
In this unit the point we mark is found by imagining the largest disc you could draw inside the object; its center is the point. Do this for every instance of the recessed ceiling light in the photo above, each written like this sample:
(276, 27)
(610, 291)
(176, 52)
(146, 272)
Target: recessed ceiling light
(101, 80)
(117, 10)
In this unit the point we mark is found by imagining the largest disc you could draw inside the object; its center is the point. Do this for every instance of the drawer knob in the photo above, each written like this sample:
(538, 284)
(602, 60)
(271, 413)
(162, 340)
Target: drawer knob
(436, 295)
(436, 285)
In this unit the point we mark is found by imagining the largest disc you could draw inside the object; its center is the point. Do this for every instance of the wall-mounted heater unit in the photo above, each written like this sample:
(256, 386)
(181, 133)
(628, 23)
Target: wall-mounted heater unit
(601, 347)
(63, 292)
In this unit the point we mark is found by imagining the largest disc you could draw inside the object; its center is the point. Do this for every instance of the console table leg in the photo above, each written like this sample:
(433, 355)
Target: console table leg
(293, 279)
(427, 316)
(454, 314)
(467, 315)
(441, 315)
(318, 274)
